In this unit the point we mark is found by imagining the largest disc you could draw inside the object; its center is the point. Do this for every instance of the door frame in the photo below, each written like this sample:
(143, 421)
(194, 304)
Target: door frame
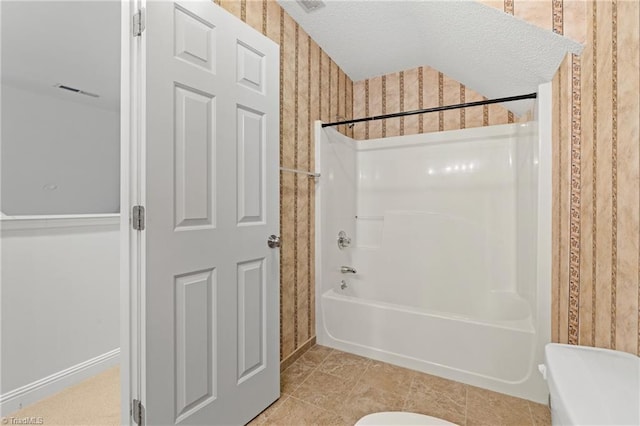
(131, 331)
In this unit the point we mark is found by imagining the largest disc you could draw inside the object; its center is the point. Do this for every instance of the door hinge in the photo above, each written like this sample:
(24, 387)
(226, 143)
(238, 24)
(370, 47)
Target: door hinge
(137, 412)
(137, 218)
(138, 23)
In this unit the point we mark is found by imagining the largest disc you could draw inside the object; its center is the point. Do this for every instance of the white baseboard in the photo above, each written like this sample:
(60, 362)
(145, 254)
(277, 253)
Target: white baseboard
(35, 391)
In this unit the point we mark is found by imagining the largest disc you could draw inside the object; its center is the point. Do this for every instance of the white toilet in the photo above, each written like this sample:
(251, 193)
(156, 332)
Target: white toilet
(400, 418)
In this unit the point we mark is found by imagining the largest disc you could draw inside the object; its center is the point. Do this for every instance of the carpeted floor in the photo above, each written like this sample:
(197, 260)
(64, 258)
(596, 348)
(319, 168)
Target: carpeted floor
(96, 401)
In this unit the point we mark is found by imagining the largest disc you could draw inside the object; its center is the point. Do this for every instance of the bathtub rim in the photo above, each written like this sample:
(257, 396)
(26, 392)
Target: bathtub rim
(525, 325)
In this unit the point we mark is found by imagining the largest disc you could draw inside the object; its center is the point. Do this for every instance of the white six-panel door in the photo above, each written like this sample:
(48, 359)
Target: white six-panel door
(210, 183)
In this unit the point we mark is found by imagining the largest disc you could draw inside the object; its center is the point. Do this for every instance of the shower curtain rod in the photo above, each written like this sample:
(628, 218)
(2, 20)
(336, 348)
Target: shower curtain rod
(435, 109)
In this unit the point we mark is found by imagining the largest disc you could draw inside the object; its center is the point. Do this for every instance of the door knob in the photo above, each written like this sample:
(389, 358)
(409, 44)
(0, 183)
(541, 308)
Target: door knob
(273, 241)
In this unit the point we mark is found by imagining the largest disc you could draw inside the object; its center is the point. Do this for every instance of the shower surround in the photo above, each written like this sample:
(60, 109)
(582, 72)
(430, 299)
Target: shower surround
(445, 243)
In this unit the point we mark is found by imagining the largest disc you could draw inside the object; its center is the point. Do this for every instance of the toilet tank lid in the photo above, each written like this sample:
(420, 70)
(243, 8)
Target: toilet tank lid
(594, 385)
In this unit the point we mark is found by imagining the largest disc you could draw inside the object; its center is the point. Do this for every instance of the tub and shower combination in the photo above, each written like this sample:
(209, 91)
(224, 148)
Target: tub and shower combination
(447, 231)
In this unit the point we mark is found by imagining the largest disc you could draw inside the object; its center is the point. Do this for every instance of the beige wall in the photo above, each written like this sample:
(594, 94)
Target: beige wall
(596, 178)
(312, 87)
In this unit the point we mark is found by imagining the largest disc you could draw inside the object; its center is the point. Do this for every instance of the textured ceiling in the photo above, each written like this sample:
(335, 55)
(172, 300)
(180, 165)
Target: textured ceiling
(75, 43)
(485, 49)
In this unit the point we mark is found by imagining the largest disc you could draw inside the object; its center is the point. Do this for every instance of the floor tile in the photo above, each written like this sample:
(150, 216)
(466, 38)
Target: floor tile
(295, 374)
(324, 390)
(366, 399)
(540, 414)
(427, 383)
(388, 377)
(485, 407)
(438, 397)
(262, 417)
(316, 355)
(300, 413)
(345, 365)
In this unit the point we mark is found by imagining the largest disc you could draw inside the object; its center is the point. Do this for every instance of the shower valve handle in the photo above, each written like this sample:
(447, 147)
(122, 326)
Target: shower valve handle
(343, 240)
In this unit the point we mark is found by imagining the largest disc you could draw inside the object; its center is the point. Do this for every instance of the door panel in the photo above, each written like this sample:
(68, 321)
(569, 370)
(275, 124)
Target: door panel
(194, 158)
(251, 68)
(251, 179)
(211, 195)
(251, 318)
(195, 39)
(196, 375)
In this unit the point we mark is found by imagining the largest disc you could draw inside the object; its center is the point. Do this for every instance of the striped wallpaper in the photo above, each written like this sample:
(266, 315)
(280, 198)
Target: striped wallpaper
(417, 88)
(596, 230)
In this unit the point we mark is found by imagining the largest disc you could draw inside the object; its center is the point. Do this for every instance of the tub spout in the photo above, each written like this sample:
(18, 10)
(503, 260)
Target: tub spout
(348, 270)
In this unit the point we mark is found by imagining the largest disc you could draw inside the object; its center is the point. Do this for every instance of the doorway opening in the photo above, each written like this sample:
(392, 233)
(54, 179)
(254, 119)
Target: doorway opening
(60, 211)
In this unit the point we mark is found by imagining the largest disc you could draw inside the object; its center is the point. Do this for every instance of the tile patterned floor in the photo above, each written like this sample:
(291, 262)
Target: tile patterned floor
(330, 387)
